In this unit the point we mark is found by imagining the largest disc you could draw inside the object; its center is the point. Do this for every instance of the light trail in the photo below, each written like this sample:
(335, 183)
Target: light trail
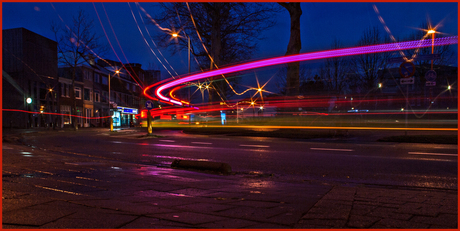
(201, 143)
(334, 128)
(333, 149)
(254, 146)
(303, 57)
(52, 113)
(145, 40)
(431, 154)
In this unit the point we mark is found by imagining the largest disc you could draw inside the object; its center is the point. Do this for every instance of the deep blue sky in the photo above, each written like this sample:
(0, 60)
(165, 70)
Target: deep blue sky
(321, 23)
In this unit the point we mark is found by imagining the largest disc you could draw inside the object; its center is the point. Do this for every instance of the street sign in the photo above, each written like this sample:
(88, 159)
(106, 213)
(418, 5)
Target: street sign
(430, 76)
(148, 105)
(407, 69)
(417, 58)
(407, 80)
(113, 105)
(430, 84)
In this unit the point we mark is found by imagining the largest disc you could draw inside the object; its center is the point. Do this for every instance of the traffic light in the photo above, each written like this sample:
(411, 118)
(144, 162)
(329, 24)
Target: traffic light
(42, 108)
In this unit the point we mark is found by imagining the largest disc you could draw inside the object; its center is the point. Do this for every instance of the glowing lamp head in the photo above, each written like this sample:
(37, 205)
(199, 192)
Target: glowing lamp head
(259, 90)
(175, 35)
(252, 103)
(261, 107)
(50, 89)
(380, 85)
(29, 100)
(431, 31)
(117, 71)
(448, 87)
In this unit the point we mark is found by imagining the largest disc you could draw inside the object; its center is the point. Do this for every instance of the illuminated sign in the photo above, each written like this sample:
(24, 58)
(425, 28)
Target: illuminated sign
(127, 110)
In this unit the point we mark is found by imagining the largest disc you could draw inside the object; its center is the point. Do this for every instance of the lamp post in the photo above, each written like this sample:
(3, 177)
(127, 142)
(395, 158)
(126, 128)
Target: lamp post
(432, 32)
(29, 103)
(110, 114)
(175, 35)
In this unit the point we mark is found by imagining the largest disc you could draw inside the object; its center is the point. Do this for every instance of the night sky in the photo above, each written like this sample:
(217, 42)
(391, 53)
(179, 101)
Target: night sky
(320, 24)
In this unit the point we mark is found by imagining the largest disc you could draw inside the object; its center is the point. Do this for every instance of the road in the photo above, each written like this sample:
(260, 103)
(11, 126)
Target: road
(350, 161)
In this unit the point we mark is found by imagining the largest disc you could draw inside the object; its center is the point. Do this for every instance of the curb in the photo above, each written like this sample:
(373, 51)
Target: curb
(202, 165)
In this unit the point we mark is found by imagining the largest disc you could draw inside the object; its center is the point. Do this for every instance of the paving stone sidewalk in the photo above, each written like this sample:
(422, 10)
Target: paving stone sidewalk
(42, 189)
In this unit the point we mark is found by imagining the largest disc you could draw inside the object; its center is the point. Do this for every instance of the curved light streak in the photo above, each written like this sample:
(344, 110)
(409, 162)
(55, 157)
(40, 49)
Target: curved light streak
(305, 57)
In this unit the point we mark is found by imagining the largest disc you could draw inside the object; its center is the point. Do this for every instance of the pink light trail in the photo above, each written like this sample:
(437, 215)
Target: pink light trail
(305, 57)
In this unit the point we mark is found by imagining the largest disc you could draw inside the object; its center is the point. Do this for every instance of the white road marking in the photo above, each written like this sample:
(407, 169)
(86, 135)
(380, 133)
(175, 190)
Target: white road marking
(201, 143)
(332, 149)
(255, 146)
(178, 146)
(431, 154)
(170, 141)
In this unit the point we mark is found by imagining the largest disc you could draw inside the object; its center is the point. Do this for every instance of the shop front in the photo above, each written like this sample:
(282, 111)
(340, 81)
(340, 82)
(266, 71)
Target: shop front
(124, 116)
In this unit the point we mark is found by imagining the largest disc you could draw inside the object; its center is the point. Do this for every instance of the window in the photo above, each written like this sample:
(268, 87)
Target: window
(88, 116)
(105, 97)
(88, 94)
(77, 93)
(105, 80)
(63, 89)
(96, 77)
(65, 114)
(87, 75)
(97, 96)
(134, 87)
(127, 86)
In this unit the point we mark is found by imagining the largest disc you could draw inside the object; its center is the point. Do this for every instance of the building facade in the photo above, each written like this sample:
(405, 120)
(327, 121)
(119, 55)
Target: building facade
(29, 79)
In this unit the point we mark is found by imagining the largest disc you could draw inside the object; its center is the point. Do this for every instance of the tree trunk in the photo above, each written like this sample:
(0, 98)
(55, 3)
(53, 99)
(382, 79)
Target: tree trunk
(294, 46)
(74, 100)
(216, 46)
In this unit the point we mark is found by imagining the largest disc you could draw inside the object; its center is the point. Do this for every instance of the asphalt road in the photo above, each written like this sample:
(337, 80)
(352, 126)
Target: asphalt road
(351, 161)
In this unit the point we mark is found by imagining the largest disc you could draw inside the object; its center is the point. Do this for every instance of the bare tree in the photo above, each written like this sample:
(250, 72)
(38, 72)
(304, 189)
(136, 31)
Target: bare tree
(229, 31)
(335, 72)
(366, 67)
(305, 75)
(76, 42)
(294, 46)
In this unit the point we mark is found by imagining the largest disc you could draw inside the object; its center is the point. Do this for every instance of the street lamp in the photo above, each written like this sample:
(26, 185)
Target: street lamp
(110, 116)
(432, 32)
(175, 35)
